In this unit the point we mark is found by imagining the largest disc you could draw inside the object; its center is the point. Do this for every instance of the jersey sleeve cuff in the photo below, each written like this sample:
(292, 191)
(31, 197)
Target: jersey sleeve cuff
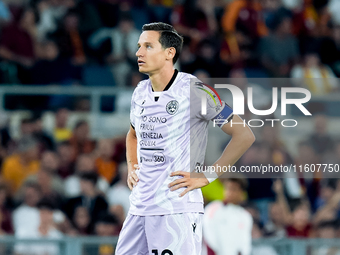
(211, 176)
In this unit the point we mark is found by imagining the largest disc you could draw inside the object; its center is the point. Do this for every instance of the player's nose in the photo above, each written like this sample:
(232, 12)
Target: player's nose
(139, 52)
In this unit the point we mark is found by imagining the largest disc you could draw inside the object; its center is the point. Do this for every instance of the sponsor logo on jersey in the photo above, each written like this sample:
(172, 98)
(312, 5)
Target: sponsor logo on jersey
(158, 158)
(198, 167)
(194, 227)
(154, 119)
(147, 143)
(151, 135)
(172, 107)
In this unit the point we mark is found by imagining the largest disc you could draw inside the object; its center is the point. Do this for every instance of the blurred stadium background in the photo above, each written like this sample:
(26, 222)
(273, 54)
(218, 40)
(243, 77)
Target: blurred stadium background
(67, 72)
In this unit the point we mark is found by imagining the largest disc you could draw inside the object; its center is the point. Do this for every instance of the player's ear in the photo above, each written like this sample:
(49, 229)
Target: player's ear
(171, 52)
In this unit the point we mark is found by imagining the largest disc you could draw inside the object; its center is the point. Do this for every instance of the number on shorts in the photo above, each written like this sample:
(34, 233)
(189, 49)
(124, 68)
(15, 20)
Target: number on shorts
(165, 252)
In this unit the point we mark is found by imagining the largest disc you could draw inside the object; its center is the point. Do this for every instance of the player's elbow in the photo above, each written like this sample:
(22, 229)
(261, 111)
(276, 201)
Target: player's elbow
(251, 135)
(248, 137)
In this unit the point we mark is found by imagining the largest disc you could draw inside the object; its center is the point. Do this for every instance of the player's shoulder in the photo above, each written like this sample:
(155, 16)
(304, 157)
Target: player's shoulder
(246, 214)
(142, 84)
(212, 208)
(199, 89)
(214, 204)
(183, 81)
(199, 86)
(186, 77)
(141, 89)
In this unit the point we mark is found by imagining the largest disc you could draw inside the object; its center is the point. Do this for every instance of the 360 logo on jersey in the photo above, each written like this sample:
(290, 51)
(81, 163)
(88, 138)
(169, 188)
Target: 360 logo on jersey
(172, 107)
(158, 158)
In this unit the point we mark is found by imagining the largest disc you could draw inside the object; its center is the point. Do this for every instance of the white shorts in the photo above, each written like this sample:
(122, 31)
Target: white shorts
(172, 234)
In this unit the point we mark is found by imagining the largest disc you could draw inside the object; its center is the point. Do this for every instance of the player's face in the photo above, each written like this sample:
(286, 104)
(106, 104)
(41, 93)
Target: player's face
(151, 56)
(233, 192)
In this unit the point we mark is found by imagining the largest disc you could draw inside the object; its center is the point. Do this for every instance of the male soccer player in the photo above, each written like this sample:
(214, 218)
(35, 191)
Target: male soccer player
(166, 204)
(227, 226)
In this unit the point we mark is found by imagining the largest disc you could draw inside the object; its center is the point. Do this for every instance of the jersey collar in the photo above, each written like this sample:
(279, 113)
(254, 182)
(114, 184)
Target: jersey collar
(170, 82)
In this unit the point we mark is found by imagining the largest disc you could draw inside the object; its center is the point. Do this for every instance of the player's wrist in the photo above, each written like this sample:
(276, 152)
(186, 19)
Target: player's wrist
(211, 176)
(131, 163)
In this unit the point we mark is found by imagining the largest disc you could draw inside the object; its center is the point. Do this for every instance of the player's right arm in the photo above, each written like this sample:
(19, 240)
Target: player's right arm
(131, 157)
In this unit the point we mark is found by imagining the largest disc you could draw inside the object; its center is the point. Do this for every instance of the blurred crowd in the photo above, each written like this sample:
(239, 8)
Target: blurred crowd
(61, 182)
(87, 42)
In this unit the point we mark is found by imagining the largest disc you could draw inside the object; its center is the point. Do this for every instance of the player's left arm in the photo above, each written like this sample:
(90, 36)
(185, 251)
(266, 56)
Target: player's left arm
(241, 139)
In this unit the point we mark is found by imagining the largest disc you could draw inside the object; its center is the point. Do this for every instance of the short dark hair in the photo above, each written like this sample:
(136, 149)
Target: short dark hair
(45, 203)
(26, 143)
(168, 36)
(107, 218)
(242, 182)
(33, 185)
(27, 121)
(64, 143)
(80, 123)
(327, 224)
(329, 183)
(91, 176)
(299, 203)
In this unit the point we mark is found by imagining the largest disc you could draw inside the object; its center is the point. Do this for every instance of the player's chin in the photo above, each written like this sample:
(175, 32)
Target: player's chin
(142, 69)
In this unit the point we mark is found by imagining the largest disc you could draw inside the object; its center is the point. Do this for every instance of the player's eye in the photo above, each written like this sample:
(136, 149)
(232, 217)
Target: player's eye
(148, 47)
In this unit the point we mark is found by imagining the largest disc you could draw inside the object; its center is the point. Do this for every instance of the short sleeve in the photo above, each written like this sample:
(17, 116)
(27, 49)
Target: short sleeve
(208, 105)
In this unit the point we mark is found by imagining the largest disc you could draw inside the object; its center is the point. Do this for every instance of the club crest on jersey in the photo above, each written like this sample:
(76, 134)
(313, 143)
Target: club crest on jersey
(172, 107)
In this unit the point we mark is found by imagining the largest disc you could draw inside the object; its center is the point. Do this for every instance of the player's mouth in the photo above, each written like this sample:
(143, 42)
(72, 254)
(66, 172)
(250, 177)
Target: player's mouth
(140, 62)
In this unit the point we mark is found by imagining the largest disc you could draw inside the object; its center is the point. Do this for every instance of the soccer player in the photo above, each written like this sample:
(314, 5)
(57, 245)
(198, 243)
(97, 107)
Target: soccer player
(226, 225)
(166, 141)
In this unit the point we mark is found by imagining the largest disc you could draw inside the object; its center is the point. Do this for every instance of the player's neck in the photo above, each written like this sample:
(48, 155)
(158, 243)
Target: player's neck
(161, 79)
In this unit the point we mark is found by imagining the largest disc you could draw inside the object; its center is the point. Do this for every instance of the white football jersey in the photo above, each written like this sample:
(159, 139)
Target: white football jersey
(172, 136)
(227, 229)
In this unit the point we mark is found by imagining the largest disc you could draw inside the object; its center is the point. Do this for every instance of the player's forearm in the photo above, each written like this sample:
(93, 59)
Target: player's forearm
(282, 201)
(237, 146)
(131, 150)
(333, 203)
